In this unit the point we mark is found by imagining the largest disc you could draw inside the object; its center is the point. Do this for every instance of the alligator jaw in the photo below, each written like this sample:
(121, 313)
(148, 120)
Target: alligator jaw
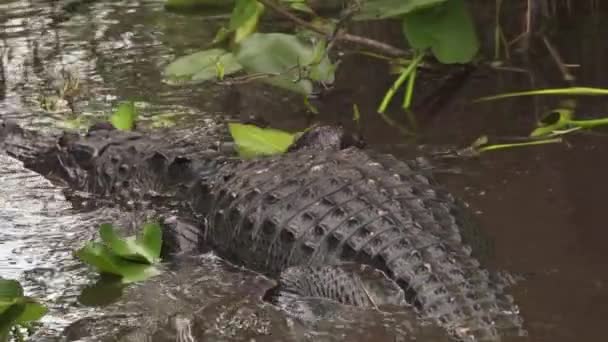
(37, 152)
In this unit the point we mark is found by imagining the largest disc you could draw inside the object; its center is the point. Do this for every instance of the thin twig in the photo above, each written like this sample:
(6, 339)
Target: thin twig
(568, 77)
(346, 37)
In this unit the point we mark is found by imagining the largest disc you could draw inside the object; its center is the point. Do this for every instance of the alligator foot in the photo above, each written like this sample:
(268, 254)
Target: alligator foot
(348, 283)
(180, 237)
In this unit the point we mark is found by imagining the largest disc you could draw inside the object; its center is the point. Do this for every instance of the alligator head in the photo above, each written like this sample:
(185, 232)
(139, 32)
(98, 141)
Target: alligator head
(36, 151)
(66, 158)
(106, 160)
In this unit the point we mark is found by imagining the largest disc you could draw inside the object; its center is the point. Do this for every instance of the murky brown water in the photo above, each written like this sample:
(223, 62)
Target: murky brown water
(542, 206)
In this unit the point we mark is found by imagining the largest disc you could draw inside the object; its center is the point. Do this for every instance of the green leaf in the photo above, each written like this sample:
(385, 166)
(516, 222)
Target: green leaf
(143, 249)
(447, 30)
(125, 116)
(201, 66)
(152, 239)
(4, 332)
(102, 258)
(283, 58)
(382, 9)
(244, 19)
(252, 141)
(8, 319)
(9, 290)
(15, 308)
(33, 311)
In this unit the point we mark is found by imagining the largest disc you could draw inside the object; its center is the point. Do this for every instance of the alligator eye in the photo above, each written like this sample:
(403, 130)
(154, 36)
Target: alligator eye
(82, 154)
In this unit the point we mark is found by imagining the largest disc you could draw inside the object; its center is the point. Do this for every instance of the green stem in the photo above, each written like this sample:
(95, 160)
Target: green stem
(399, 82)
(588, 123)
(578, 91)
(409, 91)
(529, 143)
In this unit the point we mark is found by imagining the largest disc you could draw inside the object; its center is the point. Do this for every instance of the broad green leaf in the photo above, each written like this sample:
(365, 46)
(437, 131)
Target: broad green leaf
(98, 255)
(152, 239)
(382, 9)
(284, 61)
(33, 311)
(244, 19)
(252, 141)
(9, 290)
(201, 66)
(8, 319)
(125, 116)
(102, 258)
(4, 333)
(447, 30)
(144, 249)
(15, 308)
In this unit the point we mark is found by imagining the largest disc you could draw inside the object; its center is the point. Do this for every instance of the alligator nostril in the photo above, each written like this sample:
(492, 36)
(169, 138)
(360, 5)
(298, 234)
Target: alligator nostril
(123, 169)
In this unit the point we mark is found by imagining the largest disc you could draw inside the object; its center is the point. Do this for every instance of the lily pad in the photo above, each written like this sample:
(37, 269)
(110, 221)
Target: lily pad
(283, 59)
(252, 141)
(201, 66)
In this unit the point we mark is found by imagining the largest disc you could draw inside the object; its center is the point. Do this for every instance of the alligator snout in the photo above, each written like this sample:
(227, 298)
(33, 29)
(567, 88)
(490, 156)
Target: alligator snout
(9, 128)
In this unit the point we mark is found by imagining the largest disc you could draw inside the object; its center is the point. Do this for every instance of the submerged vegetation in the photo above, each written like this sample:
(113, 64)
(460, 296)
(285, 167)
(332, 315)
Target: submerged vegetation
(299, 46)
(299, 60)
(306, 60)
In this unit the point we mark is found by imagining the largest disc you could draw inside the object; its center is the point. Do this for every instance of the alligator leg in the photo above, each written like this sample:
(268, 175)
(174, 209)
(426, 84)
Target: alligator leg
(180, 237)
(347, 283)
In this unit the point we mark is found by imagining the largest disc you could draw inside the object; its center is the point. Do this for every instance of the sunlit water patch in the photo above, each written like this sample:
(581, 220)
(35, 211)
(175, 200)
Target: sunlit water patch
(38, 234)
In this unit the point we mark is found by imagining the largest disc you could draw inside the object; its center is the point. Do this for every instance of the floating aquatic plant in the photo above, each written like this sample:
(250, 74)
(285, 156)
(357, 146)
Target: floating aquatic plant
(132, 258)
(16, 309)
(254, 141)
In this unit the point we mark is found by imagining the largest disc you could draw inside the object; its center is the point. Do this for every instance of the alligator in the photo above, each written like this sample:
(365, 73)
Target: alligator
(301, 217)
